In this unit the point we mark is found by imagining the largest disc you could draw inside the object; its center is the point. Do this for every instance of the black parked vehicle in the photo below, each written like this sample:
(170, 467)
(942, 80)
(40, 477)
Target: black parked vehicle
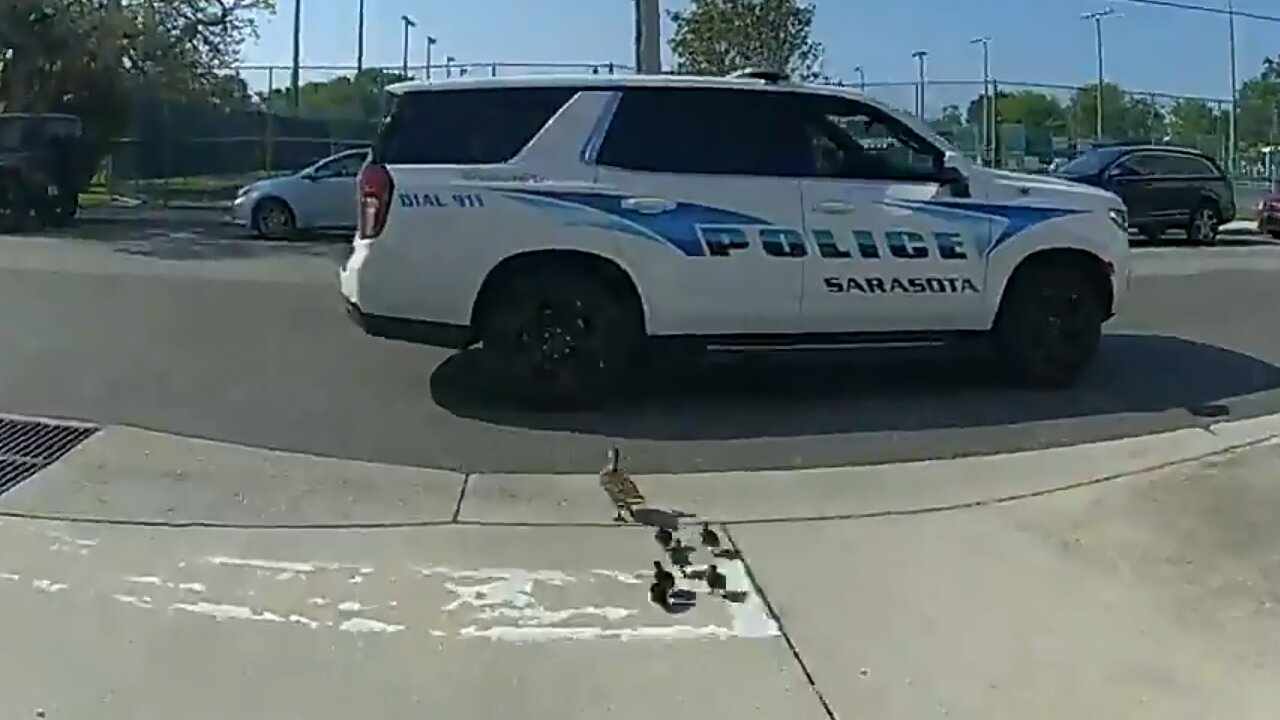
(1163, 188)
(45, 163)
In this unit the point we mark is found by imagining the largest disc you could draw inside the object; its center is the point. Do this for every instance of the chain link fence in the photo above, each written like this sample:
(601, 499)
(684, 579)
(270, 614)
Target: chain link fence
(201, 152)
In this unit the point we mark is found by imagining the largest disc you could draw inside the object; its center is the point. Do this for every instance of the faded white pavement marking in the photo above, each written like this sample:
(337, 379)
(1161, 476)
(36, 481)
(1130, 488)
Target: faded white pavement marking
(501, 604)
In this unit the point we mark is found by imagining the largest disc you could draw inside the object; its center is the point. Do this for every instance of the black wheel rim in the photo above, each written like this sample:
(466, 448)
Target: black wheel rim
(558, 344)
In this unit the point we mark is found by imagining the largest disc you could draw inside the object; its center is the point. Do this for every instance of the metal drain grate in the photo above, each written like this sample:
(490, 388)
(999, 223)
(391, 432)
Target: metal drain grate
(28, 446)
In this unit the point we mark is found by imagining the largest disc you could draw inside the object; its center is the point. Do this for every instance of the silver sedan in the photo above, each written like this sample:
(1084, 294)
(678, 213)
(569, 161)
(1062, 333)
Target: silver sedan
(317, 198)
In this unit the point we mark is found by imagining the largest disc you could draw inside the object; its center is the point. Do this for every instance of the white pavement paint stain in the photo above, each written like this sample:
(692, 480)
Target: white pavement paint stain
(365, 625)
(623, 577)
(227, 612)
(285, 569)
(134, 600)
(353, 606)
(508, 594)
(48, 586)
(65, 543)
(194, 587)
(10, 576)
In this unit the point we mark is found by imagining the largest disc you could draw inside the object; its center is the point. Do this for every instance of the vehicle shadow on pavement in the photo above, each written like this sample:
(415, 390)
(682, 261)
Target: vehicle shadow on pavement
(789, 395)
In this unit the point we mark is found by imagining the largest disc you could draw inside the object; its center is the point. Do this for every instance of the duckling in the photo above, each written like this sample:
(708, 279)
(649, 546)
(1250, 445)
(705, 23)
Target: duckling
(619, 486)
(662, 576)
(710, 540)
(716, 580)
(664, 538)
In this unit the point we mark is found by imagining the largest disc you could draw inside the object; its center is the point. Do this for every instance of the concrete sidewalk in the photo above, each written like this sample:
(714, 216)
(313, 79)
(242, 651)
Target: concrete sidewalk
(146, 576)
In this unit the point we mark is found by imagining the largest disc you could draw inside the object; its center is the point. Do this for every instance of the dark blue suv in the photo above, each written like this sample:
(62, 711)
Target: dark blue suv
(1163, 188)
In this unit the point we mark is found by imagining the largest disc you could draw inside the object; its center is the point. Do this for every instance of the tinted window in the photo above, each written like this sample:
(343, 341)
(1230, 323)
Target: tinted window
(707, 131)
(466, 127)
(1185, 165)
(857, 141)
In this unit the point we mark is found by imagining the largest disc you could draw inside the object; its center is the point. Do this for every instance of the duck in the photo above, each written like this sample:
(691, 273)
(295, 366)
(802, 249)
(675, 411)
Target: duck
(620, 488)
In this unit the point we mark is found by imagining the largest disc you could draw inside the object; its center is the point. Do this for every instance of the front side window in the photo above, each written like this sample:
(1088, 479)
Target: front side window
(480, 126)
(705, 131)
(857, 141)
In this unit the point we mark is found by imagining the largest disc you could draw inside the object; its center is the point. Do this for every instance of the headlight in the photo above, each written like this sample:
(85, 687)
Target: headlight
(243, 191)
(1120, 218)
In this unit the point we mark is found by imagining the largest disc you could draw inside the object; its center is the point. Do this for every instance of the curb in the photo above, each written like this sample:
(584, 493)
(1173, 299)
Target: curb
(113, 477)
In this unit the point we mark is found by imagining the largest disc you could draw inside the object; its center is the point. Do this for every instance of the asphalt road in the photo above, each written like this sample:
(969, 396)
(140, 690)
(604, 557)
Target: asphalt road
(247, 342)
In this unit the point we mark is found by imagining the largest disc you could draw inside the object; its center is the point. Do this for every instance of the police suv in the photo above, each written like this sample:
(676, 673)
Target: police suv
(570, 224)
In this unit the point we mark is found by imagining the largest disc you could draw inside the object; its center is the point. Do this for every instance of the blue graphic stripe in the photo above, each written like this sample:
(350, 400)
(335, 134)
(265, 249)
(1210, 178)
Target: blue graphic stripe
(1015, 218)
(677, 227)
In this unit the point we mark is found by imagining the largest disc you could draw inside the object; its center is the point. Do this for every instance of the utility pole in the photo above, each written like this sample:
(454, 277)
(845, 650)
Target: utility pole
(1097, 17)
(404, 60)
(426, 71)
(360, 39)
(648, 36)
(862, 80)
(988, 104)
(1235, 88)
(297, 55)
(920, 55)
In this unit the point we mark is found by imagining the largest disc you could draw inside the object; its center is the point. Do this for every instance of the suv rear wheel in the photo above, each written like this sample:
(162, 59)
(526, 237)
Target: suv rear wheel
(558, 338)
(1202, 229)
(14, 209)
(1049, 324)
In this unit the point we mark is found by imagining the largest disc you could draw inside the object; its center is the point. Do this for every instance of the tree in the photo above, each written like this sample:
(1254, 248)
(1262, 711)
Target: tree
(1192, 119)
(1125, 116)
(358, 96)
(717, 37)
(77, 56)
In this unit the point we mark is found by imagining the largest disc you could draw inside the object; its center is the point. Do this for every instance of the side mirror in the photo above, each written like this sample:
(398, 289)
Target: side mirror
(1120, 171)
(954, 179)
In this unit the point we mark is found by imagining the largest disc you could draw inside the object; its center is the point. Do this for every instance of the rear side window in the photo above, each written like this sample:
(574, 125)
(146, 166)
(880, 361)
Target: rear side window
(1186, 165)
(707, 131)
(466, 127)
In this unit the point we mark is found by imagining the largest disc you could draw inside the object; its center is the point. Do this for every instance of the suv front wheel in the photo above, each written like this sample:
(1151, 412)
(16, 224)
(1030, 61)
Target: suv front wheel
(557, 337)
(1049, 325)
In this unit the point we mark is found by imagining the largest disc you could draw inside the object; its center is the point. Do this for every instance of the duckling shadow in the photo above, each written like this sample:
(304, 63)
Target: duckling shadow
(736, 597)
(683, 599)
(727, 554)
(658, 518)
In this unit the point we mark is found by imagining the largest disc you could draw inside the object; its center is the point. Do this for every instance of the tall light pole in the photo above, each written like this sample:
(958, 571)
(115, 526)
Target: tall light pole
(1235, 88)
(404, 58)
(920, 55)
(988, 105)
(1097, 17)
(426, 71)
(360, 38)
(862, 79)
(297, 54)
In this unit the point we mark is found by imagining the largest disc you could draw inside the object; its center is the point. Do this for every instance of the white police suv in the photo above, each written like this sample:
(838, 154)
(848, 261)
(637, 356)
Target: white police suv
(568, 224)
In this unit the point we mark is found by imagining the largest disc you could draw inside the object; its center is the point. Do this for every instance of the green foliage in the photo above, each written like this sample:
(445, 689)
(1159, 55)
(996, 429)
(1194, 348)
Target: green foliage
(717, 37)
(99, 58)
(357, 96)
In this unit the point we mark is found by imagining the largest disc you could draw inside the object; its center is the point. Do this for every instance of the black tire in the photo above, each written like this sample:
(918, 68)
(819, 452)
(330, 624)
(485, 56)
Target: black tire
(558, 338)
(15, 211)
(1202, 228)
(60, 211)
(273, 219)
(1274, 233)
(1152, 233)
(1049, 324)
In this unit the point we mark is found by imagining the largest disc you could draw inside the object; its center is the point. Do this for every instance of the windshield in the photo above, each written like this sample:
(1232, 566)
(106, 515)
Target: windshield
(1088, 163)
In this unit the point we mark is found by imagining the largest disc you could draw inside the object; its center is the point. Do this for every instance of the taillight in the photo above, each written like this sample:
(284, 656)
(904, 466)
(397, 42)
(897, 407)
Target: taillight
(376, 187)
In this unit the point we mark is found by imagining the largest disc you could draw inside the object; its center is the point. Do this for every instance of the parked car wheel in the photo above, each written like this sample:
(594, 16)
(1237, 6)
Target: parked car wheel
(14, 209)
(273, 219)
(1202, 229)
(1152, 233)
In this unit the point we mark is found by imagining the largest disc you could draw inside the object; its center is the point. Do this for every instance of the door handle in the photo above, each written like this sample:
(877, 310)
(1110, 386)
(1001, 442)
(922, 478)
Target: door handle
(648, 205)
(833, 207)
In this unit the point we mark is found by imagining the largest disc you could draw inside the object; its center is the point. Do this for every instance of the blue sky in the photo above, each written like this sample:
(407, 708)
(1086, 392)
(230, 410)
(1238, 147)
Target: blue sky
(1148, 48)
